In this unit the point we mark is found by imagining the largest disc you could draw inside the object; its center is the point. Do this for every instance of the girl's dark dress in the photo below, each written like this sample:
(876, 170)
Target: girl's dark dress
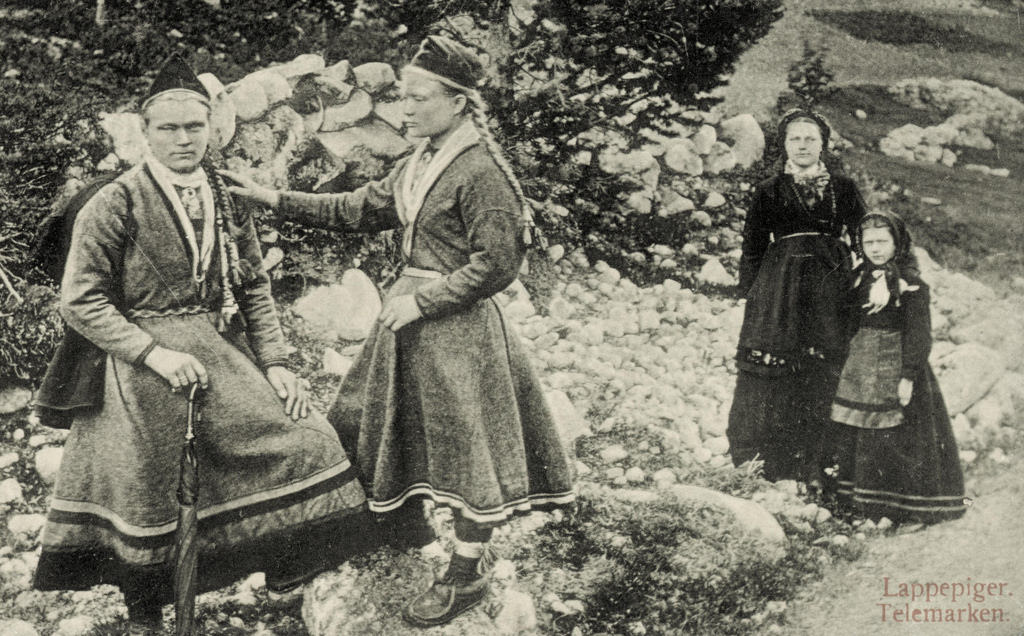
(795, 274)
(897, 463)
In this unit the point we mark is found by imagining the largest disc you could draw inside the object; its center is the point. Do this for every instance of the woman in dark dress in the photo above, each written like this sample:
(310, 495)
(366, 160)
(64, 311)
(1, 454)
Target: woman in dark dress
(795, 275)
(890, 443)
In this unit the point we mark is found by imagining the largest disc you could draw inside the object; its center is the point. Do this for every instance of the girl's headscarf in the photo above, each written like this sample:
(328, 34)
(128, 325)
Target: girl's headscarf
(901, 266)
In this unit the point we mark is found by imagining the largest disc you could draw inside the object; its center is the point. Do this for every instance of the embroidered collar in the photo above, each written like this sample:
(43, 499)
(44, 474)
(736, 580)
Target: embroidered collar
(167, 180)
(413, 188)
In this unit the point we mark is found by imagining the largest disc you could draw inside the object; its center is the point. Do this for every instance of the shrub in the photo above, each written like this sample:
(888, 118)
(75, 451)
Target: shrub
(809, 78)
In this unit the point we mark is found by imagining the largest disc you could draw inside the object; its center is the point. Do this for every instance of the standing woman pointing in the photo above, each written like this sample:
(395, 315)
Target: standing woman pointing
(442, 402)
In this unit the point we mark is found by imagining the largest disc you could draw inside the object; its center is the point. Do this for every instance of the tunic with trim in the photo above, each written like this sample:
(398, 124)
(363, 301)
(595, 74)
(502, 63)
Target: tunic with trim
(275, 495)
(448, 407)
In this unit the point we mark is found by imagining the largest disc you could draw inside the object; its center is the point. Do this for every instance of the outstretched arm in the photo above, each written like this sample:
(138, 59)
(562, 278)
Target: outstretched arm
(370, 208)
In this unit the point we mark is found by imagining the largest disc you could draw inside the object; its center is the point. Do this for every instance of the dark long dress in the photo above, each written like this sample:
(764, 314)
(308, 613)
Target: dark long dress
(795, 275)
(447, 407)
(897, 463)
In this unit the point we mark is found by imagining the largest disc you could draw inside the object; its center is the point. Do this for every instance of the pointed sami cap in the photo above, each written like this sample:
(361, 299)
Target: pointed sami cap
(448, 62)
(175, 79)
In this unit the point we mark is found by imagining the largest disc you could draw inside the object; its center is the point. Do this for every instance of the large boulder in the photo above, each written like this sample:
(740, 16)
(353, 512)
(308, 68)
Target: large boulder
(368, 601)
(347, 310)
(746, 136)
(748, 515)
(967, 373)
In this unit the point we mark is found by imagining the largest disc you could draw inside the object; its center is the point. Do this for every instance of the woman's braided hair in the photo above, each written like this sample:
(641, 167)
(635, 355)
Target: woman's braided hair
(459, 70)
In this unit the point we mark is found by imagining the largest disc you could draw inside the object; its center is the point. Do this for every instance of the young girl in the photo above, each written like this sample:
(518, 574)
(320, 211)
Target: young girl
(441, 402)
(890, 436)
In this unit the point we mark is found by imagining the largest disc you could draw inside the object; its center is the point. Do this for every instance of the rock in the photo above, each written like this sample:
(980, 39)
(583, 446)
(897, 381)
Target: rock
(717, 445)
(860, 114)
(714, 273)
(664, 477)
(719, 159)
(75, 626)
(17, 627)
(517, 614)
(571, 425)
(336, 604)
(125, 132)
(714, 200)
(560, 308)
(614, 453)
(335, 363)
(966, 374)
(840, 540)
(393, 113)
(48, 463)
(222, 111)
(555, 253)
(8, 459)
(349, 602)
(301, 65)
(673, 203)
(341, 71)
(249, 98)
(520, 309)
(635, 475)
(348, 309)
(10, 491)
(931, 201)
(16, 573)
(701, 218)
(681, 157)
(27, 525)
(338, 117)
(747, 137)
(374, 77)
(14, 398)
(275, 86)
(949, 158)
(748, 514)
(704, 138)
(353, 145)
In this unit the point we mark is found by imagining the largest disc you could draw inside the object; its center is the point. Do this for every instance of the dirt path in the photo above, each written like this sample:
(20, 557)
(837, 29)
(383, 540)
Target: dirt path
(985, 546)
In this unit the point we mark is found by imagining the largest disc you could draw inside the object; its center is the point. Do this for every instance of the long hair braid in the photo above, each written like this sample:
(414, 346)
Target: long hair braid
(478, 111)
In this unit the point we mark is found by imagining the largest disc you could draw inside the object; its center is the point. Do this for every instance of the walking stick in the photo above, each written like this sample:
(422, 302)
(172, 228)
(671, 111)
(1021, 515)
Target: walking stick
(185, 545)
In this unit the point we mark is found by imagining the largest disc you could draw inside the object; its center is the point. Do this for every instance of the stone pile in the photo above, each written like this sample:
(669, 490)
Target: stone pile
(975, 113)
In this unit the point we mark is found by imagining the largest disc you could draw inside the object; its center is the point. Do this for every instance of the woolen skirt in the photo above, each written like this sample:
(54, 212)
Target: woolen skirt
(448, 408)
(909, 472)
(275, 495)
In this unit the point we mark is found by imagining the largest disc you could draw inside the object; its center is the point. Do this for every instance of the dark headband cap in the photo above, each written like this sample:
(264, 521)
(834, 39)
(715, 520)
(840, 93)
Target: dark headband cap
(450, 60)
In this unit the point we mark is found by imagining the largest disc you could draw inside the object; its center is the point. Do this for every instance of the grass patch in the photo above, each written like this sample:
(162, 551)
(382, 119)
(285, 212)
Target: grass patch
(951, 33)
(664, 567)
